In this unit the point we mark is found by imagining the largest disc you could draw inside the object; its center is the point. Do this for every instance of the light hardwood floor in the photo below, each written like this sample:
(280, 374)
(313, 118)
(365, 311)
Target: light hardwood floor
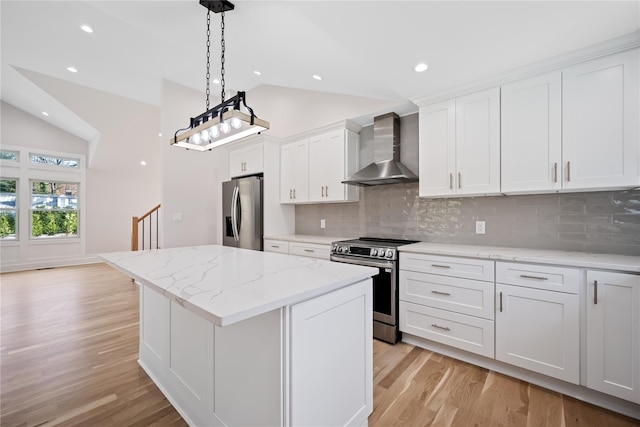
(69, 348)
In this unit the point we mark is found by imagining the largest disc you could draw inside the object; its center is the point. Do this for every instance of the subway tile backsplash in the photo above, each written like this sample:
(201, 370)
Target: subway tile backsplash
(603, 222)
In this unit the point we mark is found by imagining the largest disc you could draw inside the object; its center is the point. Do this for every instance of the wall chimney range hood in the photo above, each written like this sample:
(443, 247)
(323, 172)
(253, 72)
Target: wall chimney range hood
(386, 134)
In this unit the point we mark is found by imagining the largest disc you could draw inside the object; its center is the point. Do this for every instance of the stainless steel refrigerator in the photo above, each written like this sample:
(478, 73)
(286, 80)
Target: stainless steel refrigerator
(242, 212)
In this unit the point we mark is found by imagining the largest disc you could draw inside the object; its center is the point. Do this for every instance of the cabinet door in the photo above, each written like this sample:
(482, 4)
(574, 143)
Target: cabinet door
(236, 163)
(600, 122)
(437, 155)
(539, 330)
(478, 143)
(531, 145)
(293, 172)
(334, 146)
(317, 173)
(613, 334)
(253, 159)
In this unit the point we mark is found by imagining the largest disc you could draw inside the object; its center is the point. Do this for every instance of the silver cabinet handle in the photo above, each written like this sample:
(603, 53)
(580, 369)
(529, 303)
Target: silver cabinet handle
(451, 181)
(290, 194)
(444, 328)
(500, 302)
(275, 246)
(595, 292)
(459, 180)
(525, 276)
(294, 193)
(326, 191)
(568, 171)
(309, 250)
(440, 266)
(441, 293)
(555, 172)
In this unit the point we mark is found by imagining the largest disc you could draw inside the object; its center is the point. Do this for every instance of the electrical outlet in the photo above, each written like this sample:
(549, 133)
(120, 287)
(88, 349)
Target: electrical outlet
(323, 224)
(480, 227)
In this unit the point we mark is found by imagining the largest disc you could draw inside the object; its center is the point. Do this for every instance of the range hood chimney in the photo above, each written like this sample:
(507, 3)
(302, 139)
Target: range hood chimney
(386, 133)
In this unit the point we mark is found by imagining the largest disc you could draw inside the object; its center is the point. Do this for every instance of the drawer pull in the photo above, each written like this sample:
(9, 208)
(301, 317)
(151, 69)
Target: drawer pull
(440, 266)
(444, 328)
(525, 276)
(500, 302)
(309, 250)
(441, 293)
(595, 292)
(275, 246)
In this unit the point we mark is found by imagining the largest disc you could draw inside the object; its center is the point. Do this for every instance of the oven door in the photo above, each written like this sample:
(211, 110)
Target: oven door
(384, 287)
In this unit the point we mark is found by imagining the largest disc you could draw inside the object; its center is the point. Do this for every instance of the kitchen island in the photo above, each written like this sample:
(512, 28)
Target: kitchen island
(240, 337)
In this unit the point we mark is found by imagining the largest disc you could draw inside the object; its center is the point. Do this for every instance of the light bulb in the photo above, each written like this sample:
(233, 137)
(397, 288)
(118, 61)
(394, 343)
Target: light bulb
(214, 132)
(224, 127)
(195, 138)
(204, 136)
(236, 123)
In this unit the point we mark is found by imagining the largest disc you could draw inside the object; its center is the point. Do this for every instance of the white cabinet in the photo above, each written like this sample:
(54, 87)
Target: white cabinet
(246, 161)
(601, 141)
(460, 146)
(531, 145)
(539, 330)
(441, 300)
(294, 167)
(613, 334)
(332, 157)
(313, 169)
(313, 250)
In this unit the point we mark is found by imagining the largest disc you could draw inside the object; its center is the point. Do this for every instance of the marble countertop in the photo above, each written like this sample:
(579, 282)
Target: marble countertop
(302, 238)
(227, 285)
(622, 263)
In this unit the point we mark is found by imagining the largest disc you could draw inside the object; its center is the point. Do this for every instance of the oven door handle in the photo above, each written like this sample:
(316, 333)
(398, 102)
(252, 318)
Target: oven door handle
(366, 263)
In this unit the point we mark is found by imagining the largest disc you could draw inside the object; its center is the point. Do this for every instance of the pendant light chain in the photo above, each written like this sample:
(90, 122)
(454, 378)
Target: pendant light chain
(208, 56)
(222, 58)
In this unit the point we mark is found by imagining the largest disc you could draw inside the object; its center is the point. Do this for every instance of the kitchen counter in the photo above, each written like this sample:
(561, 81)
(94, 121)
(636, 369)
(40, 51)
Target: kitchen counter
(227, 285)
(621, 263)
(221, 330)
(302, 238)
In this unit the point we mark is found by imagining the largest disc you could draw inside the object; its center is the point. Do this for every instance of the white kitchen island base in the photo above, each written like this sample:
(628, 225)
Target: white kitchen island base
(309, 363)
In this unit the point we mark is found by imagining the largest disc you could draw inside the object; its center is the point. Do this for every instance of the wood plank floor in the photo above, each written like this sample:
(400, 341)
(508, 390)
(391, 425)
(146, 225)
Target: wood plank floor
(69, 348)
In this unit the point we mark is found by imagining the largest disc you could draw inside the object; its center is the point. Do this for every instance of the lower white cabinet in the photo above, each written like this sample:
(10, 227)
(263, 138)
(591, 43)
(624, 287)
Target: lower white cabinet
(539, 330)
(613, 334)
(313, 250)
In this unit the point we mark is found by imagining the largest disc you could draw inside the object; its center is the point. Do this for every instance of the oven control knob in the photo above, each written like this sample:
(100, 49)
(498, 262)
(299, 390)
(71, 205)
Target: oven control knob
(374, 252)
(344, 249)
(381, 253)
(389, 253)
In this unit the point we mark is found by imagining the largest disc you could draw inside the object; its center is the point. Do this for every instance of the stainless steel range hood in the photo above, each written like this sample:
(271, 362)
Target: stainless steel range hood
(386, 133)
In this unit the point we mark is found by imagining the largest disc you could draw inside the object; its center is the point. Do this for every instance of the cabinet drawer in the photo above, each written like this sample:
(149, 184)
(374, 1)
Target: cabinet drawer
(276, 246)
(464, 296)
(448, 266)
(457, 330)
(560, 279)
(310, 249)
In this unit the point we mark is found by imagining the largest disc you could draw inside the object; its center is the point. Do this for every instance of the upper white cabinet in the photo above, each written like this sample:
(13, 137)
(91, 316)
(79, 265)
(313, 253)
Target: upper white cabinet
(531, 121)
(613, 334)
(246, 160)
(312, 169)
(601, 141)
(460, 146)
(294, 167)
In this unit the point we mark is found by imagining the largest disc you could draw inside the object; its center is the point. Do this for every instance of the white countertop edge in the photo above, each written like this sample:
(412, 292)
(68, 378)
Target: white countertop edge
(623, 263)
(304, 238)
(255, 310)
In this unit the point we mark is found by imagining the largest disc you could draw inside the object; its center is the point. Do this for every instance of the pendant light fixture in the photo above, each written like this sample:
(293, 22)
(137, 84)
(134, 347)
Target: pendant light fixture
(225, 122)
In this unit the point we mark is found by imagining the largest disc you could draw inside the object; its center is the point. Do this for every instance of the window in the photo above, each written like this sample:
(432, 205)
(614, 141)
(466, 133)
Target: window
(8, 208)
(40, 159)
(54, 209)
(12, 156)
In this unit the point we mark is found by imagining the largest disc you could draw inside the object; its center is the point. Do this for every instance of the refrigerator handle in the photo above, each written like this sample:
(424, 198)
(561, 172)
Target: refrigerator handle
(234, 213)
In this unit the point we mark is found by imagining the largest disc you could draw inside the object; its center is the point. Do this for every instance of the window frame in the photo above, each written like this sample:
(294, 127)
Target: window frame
(15, 210)
(45, 237)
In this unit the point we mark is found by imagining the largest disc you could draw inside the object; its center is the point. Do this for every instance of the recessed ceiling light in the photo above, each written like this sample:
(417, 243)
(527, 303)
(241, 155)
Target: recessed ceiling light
(257, 73)
(420, 67)
(216, 81)
(44, 113)
(143, 163)
(160, 134)
(317, 77)
(87, 29)
(72, 69)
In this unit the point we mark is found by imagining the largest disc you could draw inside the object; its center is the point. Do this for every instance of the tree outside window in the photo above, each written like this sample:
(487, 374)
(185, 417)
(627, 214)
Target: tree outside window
(54, 209)
(8, 208)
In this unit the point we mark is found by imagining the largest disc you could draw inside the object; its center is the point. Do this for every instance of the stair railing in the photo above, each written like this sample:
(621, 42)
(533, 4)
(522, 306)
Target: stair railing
(148, 220)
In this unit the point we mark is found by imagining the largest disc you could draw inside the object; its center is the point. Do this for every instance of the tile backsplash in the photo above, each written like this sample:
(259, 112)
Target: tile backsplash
(603, 222)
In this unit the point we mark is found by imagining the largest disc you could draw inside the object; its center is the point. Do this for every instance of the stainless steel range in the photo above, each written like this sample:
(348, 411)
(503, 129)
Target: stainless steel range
(382, 254)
